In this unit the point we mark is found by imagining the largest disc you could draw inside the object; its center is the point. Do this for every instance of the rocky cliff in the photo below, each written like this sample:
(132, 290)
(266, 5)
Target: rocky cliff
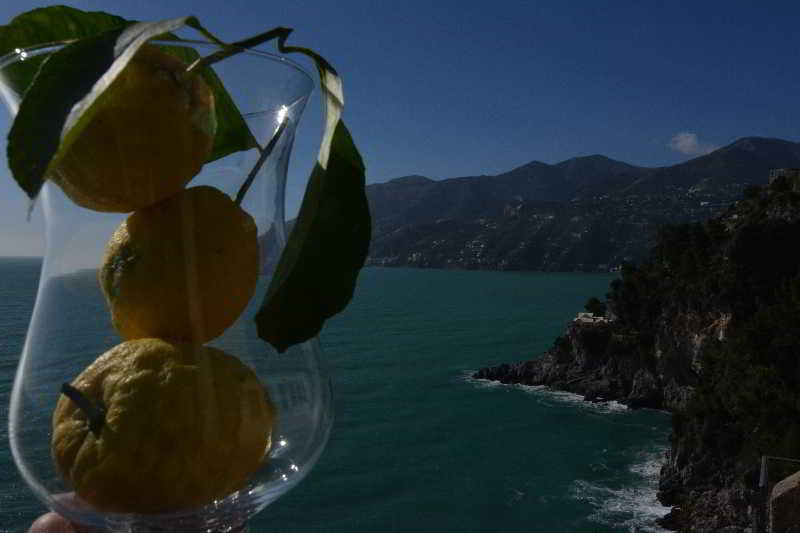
(709, 329)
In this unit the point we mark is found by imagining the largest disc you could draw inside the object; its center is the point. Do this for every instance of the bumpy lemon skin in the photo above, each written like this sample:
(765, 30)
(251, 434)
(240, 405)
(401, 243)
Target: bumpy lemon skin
(182, 270)
(185, 425)
(152, 131)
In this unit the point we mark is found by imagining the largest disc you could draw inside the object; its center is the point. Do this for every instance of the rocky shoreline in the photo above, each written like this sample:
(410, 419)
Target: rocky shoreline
(579, 362)
(708, 329)
(596, 360)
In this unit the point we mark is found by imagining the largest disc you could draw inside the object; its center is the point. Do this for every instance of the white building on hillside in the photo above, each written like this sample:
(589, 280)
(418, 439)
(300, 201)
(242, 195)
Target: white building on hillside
(589, 318)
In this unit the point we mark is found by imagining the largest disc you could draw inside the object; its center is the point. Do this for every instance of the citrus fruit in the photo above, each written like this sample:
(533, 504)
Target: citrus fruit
(181, 426)
(183, 269)
(152, 131)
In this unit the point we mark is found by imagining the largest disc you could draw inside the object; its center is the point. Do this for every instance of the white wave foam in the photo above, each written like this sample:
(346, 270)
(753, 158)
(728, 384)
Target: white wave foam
(634, 506)
(546, 394)
(573, 399)
(480, 383)
(650, 466)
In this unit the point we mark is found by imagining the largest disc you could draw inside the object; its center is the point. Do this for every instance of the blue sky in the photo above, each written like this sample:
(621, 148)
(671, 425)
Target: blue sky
(454, 88)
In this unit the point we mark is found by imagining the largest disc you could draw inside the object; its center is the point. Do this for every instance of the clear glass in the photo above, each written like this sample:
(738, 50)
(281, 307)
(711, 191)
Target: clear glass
(71, 326)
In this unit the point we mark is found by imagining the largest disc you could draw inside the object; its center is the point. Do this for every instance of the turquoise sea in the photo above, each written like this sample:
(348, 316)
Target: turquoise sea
(419, 446)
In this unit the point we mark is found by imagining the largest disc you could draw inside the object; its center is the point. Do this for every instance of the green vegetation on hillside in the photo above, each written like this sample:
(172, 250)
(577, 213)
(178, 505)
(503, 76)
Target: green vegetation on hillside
(744, 266)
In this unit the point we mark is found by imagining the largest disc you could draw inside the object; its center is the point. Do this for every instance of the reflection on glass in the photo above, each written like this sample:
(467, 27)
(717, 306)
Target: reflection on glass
(70, 326)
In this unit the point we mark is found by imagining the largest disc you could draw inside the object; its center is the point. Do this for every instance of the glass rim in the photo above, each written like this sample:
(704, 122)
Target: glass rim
(15, 54)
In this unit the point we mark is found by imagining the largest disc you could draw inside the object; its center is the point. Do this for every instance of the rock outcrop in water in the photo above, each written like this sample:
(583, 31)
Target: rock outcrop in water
(709, 329)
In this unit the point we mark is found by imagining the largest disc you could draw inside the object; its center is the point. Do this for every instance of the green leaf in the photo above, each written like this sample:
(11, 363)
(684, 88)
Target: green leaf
(16, 76)
(55, 24)
(79, 73)
(317, 271)
(35, 135)
(46, 26)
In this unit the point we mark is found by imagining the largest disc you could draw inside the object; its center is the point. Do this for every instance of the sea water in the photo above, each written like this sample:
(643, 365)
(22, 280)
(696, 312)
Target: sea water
(417, 445)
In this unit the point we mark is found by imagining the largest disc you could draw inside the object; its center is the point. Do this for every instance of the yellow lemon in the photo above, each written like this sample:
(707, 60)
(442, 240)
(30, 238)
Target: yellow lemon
(152, 131)
(179, 426)
(183, 269)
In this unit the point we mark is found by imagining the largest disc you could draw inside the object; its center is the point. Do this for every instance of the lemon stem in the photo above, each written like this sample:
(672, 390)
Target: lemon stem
(238, 47)
(94, 412)
(265, 153)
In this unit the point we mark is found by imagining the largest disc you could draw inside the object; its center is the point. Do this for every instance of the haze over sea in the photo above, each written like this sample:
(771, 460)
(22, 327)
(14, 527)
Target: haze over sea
(419, 446)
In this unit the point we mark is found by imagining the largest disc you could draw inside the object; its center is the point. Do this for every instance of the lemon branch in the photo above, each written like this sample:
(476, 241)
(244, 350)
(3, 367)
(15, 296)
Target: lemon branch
(236, 47)
(317, 271)
(96, 413)
(264, 154)
(225, 52)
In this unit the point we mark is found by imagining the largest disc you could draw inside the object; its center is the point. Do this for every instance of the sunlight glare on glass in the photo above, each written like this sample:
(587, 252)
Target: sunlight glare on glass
(9, 97)
(281, 114)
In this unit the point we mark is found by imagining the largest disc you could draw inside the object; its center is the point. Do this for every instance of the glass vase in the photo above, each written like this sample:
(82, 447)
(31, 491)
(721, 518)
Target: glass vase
(71, 325)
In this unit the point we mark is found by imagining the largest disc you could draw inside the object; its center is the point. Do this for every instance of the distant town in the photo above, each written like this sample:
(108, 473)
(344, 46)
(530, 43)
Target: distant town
(587, 214)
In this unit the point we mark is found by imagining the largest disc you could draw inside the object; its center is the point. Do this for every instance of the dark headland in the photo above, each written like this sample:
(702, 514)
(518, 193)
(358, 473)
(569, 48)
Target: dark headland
(708, 328)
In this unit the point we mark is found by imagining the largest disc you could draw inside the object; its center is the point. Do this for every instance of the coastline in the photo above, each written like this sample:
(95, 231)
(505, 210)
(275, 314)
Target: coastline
(707, 328)
(593, 362)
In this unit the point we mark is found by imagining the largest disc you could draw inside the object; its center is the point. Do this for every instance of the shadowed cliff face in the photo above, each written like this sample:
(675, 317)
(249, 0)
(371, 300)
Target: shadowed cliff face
(708, 328)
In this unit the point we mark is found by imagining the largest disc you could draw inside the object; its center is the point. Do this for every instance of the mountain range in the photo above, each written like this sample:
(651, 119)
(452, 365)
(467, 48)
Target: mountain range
(585, 214)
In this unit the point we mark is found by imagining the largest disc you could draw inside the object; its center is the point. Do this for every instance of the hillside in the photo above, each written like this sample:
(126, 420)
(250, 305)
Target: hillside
(708, 327)
(587, 213)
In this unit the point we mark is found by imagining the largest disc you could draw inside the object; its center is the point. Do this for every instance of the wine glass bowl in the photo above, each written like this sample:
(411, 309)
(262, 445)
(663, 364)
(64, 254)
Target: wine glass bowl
(71, 324)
